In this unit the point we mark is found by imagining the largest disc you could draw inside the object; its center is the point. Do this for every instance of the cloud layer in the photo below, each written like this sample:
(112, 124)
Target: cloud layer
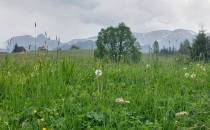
(82, 18)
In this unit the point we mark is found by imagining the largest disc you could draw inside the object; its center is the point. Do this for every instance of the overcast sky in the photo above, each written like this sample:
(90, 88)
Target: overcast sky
(71, 19)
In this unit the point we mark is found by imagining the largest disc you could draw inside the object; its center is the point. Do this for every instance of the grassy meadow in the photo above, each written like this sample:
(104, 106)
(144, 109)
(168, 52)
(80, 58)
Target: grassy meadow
(46, 93)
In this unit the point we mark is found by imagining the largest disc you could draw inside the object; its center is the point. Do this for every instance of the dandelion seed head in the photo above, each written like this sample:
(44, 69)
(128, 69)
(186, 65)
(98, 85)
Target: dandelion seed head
(187, 75)
(98, 72)
(193, 76)
(148, 66)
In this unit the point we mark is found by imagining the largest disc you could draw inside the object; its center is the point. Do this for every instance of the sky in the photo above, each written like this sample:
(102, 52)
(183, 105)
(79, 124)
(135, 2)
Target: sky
(74, 19)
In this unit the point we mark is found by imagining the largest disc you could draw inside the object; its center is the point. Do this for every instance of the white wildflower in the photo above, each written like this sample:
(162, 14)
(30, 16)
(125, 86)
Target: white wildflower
(181, 114)
(203, 68)
(193, 76)
(35, 111)
(32, 74)
(98, 73)
(121, 100)
(198, 65)
(187, 75)
(8, 73)
(36, 67)
(148, 66)
(42, 119)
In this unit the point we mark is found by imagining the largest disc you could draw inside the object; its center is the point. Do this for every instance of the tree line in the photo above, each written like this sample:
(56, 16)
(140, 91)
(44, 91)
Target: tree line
(199, 49)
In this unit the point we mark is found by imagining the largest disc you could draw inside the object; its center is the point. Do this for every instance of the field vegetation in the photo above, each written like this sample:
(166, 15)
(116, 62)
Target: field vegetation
(77, 91)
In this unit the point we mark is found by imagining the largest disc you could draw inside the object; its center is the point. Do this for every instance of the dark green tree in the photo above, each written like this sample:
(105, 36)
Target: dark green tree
(201, 47)
(156, 47)
(185, 48)
(117, 44)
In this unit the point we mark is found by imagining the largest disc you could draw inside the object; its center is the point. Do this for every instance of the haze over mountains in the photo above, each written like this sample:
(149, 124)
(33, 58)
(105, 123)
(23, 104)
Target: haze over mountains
(165, 38)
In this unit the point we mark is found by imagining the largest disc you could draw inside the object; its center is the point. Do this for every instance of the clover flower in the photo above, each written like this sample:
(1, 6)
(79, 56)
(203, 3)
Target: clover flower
(181, 114)
(121, 100)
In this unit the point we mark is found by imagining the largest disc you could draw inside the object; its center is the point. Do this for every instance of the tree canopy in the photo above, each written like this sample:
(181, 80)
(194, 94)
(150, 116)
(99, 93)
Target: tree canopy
(185, 48)
(117, 44)
(201, 47)
(156, 47)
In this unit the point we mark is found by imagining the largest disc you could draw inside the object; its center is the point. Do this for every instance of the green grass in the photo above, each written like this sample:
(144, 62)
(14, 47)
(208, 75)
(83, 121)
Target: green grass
(62, 94)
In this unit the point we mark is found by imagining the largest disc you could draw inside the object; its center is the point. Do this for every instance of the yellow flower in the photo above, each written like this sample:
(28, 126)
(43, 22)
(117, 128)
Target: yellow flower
(44, 128)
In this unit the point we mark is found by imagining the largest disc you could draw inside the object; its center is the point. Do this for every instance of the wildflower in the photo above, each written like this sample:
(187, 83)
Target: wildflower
(203, 68)
(9, 74)
(98, 73)
(24, 125)
(35, 111)
(187, 75)
(44, 128)
(36, 67)
(42, 119)
(121, 100)
(32, 74)
(148, 66)
(181, 114)
(193, 76)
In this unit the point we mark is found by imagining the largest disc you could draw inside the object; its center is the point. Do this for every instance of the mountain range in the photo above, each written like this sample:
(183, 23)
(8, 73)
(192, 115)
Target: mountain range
(166, 38)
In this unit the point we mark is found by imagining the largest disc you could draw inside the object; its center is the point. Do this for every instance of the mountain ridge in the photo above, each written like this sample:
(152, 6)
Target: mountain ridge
(165, 38)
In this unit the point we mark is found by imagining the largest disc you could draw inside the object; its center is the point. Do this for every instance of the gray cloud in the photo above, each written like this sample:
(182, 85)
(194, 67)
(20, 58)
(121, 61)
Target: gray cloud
(82, 18)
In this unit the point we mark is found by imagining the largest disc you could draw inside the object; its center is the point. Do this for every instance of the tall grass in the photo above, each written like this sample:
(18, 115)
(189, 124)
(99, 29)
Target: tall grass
(63, 94)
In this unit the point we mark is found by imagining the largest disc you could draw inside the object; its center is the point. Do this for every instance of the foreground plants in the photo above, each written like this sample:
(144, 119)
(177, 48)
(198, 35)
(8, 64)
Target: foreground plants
(77, 94)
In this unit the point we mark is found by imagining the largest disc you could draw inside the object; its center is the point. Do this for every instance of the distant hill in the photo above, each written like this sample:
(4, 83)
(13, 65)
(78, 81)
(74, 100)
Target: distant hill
(88, 43)
(26, 40)
(165, 38)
